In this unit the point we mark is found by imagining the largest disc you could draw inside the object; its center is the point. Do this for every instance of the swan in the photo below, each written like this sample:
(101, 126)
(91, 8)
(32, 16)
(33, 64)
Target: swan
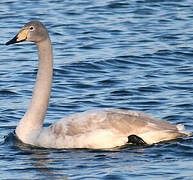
(95, 129)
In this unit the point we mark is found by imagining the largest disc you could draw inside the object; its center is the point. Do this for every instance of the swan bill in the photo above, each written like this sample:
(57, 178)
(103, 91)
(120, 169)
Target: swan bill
(21, 36)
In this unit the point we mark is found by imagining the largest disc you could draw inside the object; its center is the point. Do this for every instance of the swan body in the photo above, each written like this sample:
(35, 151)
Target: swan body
(96, 129)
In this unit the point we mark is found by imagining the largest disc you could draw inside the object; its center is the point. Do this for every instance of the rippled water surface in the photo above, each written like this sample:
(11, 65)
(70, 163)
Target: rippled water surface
(135, 55)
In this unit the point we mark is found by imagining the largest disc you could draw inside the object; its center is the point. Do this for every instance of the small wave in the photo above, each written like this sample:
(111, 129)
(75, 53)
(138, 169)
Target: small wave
(10, 138)
(7, 92)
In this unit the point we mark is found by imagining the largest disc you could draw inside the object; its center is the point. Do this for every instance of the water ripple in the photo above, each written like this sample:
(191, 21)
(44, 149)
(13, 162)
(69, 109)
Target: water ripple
(133, 54)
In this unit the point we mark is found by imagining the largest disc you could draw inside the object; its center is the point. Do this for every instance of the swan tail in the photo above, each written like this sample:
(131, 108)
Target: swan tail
(181, 129)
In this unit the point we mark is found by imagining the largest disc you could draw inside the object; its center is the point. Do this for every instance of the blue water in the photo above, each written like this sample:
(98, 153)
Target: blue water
(135, 55)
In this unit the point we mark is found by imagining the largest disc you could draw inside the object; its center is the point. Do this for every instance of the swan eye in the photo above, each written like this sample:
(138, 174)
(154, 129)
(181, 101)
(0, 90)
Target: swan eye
(31, 28)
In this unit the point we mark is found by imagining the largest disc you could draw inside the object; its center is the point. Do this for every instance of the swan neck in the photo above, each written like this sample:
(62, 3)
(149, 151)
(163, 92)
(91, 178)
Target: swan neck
(33, 119)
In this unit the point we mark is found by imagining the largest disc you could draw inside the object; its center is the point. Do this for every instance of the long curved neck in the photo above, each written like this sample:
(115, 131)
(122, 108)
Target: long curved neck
(33, 119)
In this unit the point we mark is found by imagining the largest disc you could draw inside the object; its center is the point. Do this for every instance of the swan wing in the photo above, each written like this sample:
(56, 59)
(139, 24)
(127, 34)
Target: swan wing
(104, 128)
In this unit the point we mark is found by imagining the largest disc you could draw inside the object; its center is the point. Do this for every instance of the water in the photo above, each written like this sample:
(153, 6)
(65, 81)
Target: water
(133, 55)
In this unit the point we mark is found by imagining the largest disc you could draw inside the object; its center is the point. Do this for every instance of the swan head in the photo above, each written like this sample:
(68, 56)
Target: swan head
(33, 31)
